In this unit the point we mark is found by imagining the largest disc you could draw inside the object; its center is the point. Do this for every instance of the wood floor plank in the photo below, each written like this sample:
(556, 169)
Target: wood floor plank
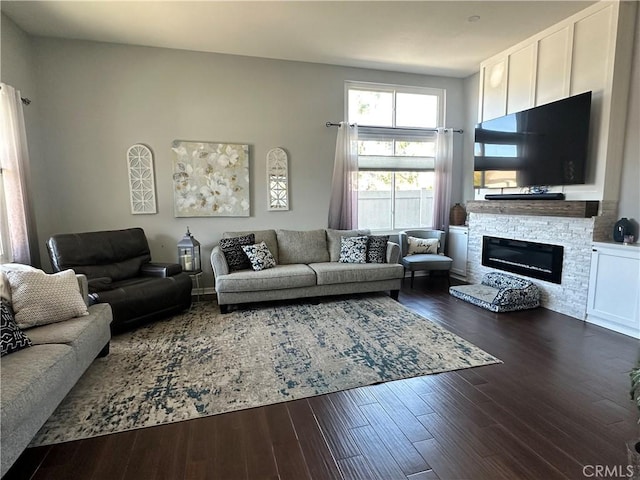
(337, 434)
(290, 461)
(357, 468)
(315, 449)
(287, 452)
(260, 459)
(230, 454)
(394, 439)
(403, 419)
(376, 454)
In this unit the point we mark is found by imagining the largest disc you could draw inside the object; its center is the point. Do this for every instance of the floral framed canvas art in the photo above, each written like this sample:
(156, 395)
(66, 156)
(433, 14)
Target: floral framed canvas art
(210, 179)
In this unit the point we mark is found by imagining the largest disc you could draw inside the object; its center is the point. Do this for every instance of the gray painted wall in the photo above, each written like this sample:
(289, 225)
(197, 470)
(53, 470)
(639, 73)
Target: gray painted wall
(630, 185)
(95, 100)
(91, 101)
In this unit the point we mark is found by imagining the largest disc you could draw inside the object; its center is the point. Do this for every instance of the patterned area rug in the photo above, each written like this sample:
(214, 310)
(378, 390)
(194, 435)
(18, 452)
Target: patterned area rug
(204, 363)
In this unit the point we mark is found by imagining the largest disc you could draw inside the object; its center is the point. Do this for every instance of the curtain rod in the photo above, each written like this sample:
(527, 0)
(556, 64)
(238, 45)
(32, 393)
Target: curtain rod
(331, 124)
(25, 101)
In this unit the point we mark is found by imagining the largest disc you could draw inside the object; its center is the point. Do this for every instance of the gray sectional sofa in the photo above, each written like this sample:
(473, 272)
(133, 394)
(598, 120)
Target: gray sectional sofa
(35, 379)
(307, 266)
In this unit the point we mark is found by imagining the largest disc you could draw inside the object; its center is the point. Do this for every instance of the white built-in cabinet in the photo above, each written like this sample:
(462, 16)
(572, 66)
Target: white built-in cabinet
(458, 241)
(589, 51)
(614, 288)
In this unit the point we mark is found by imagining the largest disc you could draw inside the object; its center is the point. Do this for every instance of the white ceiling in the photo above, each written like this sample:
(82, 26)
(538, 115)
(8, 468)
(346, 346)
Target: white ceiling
(427, 37)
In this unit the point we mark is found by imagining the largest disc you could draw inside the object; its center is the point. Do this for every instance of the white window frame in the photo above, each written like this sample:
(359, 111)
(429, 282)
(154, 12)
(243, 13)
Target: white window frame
(440, 93)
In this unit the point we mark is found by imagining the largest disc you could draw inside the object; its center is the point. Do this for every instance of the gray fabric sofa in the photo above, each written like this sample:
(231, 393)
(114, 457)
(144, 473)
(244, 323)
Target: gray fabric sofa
(307, 266)
(35, 379)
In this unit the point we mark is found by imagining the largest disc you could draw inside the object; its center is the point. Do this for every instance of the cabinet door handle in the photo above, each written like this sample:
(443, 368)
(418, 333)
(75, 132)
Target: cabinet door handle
(594, 249)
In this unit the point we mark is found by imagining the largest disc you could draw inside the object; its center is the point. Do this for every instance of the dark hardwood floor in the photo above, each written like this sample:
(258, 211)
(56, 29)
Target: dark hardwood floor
(558, 403)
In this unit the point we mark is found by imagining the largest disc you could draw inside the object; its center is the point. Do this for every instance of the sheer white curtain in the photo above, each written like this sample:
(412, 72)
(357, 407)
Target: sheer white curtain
(343, 205)
(19, 239)
(442, 188)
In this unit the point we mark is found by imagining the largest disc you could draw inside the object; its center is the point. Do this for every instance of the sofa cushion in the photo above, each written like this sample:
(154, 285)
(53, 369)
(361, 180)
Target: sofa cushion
(427, 261)
(377, 248)
(302, 246)
(333, 272)
(12, 338)
(84, 334)
(259, 256)
(353, 250)
(266, 236)
(233, 253)
(29, 376)
(39, 298)
(277, 278)
(333, 240)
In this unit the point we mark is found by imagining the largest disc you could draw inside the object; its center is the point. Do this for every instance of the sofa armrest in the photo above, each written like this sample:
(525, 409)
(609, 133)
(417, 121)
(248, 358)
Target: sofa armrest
(393, 252)
(100, 284)
(84, 287)
(219, 262)
(153, 269)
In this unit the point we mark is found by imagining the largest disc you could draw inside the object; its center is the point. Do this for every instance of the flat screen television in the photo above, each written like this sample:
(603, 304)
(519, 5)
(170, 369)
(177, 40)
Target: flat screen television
(539, 147)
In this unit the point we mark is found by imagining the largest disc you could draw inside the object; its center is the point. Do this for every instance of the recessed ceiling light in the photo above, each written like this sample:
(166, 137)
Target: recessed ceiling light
(473, 18)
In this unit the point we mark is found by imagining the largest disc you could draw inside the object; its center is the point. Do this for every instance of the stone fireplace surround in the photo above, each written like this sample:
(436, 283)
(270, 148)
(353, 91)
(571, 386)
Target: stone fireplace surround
(573, 233)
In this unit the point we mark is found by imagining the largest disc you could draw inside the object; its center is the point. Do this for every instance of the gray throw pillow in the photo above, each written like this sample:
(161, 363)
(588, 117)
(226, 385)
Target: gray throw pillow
(233, 253)
(302, 246)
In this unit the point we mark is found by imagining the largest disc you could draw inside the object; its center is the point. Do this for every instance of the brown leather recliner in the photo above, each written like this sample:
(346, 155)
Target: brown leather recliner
(119, 270)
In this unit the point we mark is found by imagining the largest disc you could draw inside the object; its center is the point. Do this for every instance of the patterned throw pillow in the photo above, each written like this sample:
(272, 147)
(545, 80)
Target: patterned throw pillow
(232, 249)
(377, 248)
(422, 245)
(12, 338)
(353, 250)
(39, 299)
(259, 256)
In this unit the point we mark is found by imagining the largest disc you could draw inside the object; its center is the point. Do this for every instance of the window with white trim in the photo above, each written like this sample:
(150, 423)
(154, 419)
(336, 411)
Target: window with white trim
(396, 153)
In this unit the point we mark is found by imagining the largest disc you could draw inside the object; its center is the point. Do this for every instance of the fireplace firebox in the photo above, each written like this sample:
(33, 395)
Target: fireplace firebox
(536, 260)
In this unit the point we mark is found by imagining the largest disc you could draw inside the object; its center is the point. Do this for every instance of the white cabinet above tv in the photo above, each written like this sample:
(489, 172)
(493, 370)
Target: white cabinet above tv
(589, 51)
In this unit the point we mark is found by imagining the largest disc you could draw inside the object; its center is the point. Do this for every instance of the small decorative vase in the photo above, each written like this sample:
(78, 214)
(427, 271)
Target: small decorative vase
(621, 228)
(457, 215)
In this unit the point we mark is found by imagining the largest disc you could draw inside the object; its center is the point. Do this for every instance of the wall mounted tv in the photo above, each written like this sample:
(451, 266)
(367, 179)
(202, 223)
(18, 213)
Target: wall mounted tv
(542, 146)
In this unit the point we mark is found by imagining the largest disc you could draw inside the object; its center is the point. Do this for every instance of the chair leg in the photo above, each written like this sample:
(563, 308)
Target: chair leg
(412, 275)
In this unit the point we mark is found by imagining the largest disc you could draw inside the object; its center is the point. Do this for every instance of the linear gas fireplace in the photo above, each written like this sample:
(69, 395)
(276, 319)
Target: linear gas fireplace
(536, 260)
